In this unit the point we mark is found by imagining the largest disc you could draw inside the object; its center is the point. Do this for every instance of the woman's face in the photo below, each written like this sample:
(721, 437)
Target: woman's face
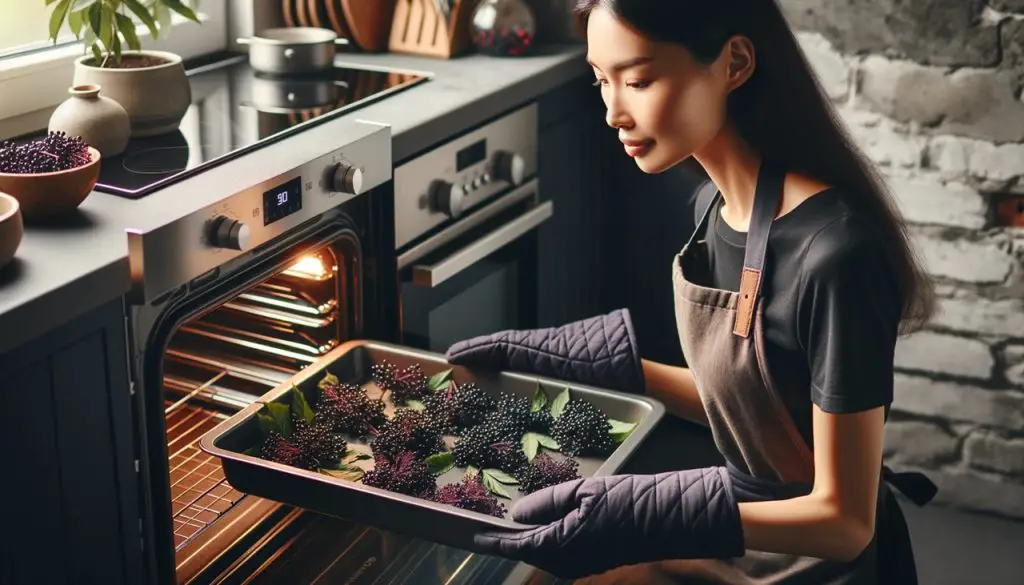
(665, 105)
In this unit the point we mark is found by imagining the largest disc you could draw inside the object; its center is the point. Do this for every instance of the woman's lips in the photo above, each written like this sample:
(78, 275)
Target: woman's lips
(635, 148)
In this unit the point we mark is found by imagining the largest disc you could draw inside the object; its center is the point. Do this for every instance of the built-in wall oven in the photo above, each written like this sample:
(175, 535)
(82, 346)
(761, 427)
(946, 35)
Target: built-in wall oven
(466, 218)
(231, 300)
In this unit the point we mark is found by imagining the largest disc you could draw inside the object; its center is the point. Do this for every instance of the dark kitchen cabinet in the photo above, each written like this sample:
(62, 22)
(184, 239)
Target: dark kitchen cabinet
(615, 228)
(69, 473)
(573, 143)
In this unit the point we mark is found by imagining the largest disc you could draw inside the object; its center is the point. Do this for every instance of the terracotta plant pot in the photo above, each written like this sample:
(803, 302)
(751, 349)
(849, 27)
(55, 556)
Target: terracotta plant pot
(11, 228)
(44, 195)
(156, 97)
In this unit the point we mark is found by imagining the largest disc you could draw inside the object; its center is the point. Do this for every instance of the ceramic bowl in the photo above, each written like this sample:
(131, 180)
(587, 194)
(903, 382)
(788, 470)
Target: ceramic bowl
(11, 228)
(44, 195)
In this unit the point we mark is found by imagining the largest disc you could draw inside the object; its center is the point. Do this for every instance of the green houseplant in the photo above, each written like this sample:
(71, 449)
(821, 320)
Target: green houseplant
(150, 85)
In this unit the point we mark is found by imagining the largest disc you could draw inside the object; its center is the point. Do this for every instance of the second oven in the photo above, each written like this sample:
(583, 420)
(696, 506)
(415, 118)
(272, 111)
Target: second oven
(466, 219)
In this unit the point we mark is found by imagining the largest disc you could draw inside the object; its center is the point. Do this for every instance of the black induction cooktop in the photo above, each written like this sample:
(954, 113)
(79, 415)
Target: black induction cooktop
(236, 110)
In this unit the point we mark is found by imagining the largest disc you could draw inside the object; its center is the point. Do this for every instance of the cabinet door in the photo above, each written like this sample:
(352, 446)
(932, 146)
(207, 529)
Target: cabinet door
(651, 218)
(573, 143)
(69, 477)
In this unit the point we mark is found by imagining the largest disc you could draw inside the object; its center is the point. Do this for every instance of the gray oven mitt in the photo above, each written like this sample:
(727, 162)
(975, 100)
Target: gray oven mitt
(589, 526)
(599, 351)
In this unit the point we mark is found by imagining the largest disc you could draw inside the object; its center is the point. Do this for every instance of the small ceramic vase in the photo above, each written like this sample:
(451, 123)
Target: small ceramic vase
(100, 121)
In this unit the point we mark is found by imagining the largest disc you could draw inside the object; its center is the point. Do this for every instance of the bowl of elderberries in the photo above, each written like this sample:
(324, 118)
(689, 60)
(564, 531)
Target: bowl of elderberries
(49, 176)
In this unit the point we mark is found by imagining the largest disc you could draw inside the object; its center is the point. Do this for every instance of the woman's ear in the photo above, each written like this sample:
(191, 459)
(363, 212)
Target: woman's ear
(741, 61)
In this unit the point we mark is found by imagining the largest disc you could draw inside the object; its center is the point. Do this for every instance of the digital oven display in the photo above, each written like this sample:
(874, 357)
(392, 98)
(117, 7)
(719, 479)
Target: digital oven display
(282, 201)
(470, 155)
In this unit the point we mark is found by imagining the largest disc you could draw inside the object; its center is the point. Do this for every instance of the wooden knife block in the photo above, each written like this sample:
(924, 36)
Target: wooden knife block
(419, 28)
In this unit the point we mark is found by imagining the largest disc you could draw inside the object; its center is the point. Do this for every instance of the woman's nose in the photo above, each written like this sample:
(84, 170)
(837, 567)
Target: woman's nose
(617, 118)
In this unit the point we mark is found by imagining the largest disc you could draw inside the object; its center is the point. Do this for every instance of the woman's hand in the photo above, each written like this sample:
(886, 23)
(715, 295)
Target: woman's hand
(588, 526)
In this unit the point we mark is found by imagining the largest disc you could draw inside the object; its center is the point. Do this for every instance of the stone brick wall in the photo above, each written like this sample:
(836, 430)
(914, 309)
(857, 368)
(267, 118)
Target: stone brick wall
(932, 91)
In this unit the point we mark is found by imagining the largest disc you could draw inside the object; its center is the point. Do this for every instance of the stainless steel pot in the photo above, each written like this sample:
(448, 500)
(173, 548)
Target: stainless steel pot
(293, 50)
(287, 95)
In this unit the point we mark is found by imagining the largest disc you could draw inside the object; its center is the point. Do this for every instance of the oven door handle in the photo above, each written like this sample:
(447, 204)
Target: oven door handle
(434, 274)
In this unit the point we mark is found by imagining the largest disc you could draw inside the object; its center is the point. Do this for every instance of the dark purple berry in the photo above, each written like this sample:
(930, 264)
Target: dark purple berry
(582, 429)
(470, 494)
(403, 474)
(546, 471)
(408, 431)
(407, 384)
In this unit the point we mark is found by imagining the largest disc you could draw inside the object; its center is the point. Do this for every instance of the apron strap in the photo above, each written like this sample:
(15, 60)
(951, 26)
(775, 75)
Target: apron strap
(707, 195)
(915, 486)
(767, 198)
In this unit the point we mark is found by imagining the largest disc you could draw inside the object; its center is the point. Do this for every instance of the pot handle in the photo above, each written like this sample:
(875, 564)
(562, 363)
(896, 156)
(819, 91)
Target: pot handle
(340, 41)
(244, 41)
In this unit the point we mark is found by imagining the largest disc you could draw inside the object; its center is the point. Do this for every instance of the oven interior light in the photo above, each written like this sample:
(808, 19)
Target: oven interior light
(310, 268)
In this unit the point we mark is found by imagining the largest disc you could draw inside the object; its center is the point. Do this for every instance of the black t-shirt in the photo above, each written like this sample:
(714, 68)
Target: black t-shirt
(832, 308)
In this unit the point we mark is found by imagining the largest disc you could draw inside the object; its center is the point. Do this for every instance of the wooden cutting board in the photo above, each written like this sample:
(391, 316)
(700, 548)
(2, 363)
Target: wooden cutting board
(370, 22)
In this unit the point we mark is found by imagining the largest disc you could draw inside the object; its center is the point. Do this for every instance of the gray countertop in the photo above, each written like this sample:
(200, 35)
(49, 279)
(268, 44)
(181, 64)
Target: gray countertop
(68, 268)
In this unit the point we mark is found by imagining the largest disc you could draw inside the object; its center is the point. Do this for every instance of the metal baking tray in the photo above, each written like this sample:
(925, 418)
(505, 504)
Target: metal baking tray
(409, 515)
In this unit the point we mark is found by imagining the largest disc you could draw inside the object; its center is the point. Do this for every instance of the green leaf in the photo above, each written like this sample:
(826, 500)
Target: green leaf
(539, 400)
(439, 463)
(530, 445)
(346, 472)
(163, 16)
(501, 476)
(127, 29)
(354, 456)
(282, 416)
(60, 11)
(106, 30)
(75, 24)
(620, 430)
(142, 13)
(300, 406)
(267, 423)
(181, 9)
(471, 471)
(438, 380)
(495, 487)
(559, 403)
(415, 405)
(548, 443)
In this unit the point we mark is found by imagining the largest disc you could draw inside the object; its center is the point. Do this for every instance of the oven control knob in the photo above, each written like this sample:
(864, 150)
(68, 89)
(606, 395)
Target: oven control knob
(229, 233)
(509, 166)
(347, 179)
(448, 198)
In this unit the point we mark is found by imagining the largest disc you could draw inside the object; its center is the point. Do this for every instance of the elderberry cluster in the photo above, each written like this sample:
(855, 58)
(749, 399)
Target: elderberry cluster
(405, 384)
(55, 152)
(310, 446)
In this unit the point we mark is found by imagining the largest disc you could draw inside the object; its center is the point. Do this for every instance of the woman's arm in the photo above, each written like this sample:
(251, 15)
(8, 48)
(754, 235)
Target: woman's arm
(836, 521)
(675, 388)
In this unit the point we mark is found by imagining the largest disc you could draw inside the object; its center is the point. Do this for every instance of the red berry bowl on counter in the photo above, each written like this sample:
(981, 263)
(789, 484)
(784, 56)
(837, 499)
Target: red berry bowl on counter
(11, 228)
(50, 176)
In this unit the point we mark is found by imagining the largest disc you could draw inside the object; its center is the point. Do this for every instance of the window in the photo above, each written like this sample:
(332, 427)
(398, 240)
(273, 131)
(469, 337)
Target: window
(35, 74)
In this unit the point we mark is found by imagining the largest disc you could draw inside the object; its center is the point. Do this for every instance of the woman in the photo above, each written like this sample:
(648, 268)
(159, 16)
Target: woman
(789, 299)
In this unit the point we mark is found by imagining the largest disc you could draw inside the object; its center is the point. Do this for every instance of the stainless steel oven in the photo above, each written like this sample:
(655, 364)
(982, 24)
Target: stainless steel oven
(228, 302)
(466, 219)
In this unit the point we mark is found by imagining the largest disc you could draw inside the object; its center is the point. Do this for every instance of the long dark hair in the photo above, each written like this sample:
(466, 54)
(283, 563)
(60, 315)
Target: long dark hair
(781, 110)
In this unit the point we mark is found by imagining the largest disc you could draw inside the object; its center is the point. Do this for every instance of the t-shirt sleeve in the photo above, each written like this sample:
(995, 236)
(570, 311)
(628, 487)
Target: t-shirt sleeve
(848, 316)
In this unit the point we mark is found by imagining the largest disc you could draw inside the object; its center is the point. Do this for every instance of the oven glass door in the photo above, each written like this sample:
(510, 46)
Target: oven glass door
(477, 276)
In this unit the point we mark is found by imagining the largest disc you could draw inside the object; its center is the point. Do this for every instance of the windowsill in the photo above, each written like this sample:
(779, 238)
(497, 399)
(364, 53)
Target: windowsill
(34, 84)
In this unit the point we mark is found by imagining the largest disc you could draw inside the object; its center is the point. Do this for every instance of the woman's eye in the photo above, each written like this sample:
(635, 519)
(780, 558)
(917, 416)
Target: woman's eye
(599, 82)
(639, 84)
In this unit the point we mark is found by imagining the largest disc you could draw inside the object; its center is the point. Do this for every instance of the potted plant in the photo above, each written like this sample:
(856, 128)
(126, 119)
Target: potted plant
(150, 85)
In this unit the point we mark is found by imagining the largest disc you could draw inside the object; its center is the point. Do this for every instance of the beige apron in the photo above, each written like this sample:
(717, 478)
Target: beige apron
(723, 342)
